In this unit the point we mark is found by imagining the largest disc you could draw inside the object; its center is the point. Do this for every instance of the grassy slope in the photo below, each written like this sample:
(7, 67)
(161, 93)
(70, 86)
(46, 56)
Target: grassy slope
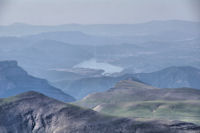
(125, 101)
(188, 111)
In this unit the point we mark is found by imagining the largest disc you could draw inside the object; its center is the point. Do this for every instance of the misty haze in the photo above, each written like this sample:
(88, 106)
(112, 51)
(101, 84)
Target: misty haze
(99, 66)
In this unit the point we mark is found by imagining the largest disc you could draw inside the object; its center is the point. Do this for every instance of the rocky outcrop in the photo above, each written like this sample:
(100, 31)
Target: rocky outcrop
(32, 112)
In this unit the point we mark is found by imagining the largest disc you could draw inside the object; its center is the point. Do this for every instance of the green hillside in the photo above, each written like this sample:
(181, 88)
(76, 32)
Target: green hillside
(143, 102)
(188, 111)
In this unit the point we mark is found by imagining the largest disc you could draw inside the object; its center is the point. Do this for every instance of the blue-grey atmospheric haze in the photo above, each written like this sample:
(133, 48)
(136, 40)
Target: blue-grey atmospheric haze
(54, 12)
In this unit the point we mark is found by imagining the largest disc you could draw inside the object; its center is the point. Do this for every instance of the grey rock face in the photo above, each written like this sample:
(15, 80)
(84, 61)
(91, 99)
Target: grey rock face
(32, 112)
(14, 80)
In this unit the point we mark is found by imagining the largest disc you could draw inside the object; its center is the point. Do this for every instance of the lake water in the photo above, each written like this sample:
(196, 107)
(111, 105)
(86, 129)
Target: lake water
(93, 64)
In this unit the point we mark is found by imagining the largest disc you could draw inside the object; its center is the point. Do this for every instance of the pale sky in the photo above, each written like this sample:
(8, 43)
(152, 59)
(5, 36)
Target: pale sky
(55, 12)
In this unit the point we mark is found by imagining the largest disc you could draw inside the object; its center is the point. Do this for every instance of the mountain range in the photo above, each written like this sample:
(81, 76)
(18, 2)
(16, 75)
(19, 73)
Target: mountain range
(32, 112)
(127, 78)
(132, 47)
(172, 77)
(14, 80)
(144, 29)
(80, 86)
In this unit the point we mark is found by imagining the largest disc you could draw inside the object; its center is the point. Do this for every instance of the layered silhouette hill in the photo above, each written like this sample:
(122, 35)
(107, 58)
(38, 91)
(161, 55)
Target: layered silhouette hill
(14, 80)
(170, 77)
(173, 77)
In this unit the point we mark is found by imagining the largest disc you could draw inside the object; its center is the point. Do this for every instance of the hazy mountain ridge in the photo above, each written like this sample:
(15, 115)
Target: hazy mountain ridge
(173, 77)
(165, 78)
(14, 80)
(73, 37)
(123, 45)
(45, 54)
(106, 29)
(118, 55)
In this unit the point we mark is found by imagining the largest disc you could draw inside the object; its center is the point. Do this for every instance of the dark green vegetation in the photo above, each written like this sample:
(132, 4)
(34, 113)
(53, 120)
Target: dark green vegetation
(131, 98)
(14, 80)
(33, 112)
(187, 111)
